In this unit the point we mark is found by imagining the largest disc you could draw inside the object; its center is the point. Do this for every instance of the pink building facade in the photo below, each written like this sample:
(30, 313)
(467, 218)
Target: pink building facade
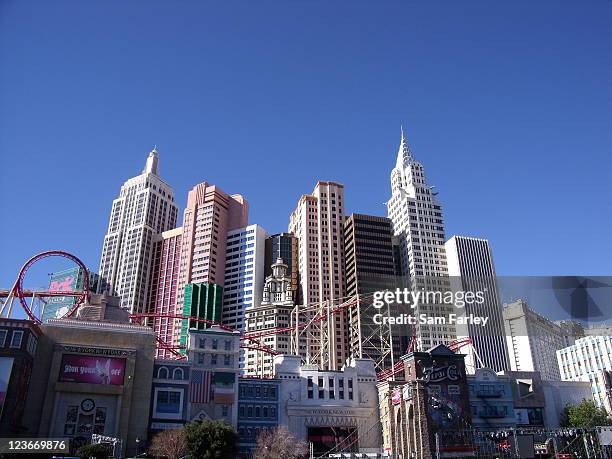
(193, 253)
(209, 215)
(164, 282)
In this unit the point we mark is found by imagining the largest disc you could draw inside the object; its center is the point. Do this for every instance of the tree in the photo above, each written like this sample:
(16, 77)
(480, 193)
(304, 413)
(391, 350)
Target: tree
(169, 444)
(95, 450)
(585, 414)
(279, 443)
(211, 440)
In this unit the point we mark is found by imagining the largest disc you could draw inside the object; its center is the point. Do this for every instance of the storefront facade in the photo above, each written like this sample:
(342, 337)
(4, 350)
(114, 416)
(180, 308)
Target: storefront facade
(81, 387)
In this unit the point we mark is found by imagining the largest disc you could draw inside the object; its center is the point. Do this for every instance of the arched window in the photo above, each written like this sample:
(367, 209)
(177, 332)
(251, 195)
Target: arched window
(177, 373)
(162, 373)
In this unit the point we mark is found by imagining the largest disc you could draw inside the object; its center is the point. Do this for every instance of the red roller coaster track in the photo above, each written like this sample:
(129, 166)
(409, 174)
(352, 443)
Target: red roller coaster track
(248, 340)
(18, 291)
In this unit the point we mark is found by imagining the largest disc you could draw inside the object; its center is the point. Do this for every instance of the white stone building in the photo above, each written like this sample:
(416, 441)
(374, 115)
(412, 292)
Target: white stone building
(145, 207)
(533, 340)
(590, 359)
(335, 410)
(274, 312)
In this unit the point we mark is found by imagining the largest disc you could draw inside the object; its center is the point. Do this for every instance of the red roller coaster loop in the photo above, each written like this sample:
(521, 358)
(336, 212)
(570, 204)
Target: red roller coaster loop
(249, 340)
(21, 293)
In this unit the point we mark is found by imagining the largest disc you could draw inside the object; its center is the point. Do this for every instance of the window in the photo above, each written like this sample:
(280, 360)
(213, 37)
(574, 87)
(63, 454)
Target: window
(16, 338)
(224, 410)
(168, 403)
(177, 373)
(213, 359)
(162, 373)
(2, 337)
(227, 360)
(215, 343)
(228, 344)
(32, 342)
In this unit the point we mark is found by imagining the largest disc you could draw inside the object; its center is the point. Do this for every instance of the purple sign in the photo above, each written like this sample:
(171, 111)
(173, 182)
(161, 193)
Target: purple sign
(92, 369)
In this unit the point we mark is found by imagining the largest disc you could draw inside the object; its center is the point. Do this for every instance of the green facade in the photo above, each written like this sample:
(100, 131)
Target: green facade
(203, 301)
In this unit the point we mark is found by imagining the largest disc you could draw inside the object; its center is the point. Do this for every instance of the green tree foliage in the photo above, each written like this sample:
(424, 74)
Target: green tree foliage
(585, 414)
(211, 440)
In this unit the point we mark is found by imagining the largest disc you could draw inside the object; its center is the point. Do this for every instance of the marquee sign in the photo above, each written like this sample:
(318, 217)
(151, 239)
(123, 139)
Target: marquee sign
(96, 350)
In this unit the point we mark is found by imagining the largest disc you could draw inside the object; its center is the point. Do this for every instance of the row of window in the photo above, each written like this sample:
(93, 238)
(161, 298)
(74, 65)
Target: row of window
(16, 338)
(259, 391)
(257, 411)
(164, 373)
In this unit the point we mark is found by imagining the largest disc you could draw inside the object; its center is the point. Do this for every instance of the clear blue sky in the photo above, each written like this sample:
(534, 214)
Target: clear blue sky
(507, 104)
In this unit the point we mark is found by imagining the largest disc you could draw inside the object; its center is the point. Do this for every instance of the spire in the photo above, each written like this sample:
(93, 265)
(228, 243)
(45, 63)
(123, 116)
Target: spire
(404, 156)
(152, 164)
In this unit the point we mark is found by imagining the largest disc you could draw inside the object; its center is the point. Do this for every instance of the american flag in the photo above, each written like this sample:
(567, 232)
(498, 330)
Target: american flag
(199, 386)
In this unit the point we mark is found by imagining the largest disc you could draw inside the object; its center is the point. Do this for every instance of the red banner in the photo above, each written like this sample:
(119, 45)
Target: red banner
(92, 369)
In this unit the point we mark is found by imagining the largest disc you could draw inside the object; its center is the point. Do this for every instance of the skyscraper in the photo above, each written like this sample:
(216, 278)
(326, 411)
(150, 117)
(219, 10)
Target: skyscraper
(145, 207)
(417, 221)
(470, 265)
(209, 216)
(244, 273)
(317, 222)
(370, 267)
(164, 285)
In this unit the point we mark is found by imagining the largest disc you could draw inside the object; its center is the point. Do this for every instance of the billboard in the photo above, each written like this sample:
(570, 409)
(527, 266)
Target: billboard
(92, 369)
(6, 368)
(62, 281)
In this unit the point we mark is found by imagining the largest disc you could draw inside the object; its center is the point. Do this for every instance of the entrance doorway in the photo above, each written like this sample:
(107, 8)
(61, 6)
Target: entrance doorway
(333, 439)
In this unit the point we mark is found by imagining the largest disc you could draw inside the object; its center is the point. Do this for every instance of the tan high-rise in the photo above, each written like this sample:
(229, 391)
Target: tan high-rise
(317, 222)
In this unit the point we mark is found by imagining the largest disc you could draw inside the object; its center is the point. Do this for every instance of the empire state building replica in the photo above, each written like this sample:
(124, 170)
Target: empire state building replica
(418, 226)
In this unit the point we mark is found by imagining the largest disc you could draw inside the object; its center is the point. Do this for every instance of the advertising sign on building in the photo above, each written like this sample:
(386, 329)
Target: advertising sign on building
(63, 281)
(92, 369)
(6, 368)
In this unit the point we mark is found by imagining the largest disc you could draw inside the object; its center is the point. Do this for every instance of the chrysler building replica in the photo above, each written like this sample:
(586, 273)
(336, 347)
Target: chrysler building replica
(273, 312)
(145, 207)
(418, 227)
